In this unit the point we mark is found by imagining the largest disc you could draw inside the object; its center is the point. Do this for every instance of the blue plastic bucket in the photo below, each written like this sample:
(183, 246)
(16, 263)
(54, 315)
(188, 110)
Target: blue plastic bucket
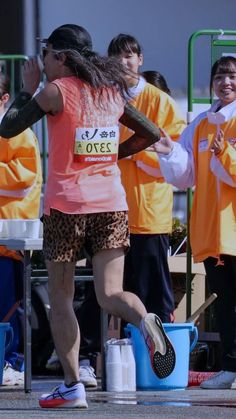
(5, 329)
(179, 334)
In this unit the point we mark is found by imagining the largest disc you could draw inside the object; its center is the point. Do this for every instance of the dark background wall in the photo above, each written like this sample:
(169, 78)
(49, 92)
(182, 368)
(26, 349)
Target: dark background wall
(19, 26)
(11, 30)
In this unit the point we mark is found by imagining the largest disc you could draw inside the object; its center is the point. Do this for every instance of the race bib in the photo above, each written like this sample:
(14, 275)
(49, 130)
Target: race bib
(96, 145)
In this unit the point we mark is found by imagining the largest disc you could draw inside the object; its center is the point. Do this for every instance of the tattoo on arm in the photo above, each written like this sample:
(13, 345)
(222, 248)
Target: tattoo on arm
(23, 113)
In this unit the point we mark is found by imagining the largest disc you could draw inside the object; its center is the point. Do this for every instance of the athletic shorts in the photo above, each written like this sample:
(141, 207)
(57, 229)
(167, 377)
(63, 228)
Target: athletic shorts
(67, 236)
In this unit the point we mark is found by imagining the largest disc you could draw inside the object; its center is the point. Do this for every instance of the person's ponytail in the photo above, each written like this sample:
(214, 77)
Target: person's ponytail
(97, 71)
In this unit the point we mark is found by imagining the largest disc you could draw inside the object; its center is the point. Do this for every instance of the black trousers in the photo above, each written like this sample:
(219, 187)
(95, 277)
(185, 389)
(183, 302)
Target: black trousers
(147, 275)
(222, 280)
(88, 316)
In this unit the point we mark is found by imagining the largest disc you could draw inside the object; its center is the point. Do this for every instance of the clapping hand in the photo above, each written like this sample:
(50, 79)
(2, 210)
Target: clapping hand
(218, 143)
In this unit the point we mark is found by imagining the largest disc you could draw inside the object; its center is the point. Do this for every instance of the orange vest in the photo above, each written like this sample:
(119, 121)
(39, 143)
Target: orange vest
(213, 215)
(20, 180)
(191, 162)
(149, 197)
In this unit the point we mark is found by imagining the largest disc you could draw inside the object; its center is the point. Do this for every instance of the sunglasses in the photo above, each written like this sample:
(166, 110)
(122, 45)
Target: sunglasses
(45, 51)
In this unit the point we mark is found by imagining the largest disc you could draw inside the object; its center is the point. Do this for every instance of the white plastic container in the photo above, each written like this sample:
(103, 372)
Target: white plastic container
(113, 368)
(20, 228)
(128, 368)
(32, 228)
(16, 228)
(120, 365)
(3, 228)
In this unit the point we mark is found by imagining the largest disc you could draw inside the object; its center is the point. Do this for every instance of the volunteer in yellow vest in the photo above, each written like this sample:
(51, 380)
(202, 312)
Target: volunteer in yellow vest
(206, 157)
(149, 197)
(20, 188)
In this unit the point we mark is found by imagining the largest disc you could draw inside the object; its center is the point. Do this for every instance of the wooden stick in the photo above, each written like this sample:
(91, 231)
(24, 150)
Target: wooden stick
(10, 313)
(203, 307)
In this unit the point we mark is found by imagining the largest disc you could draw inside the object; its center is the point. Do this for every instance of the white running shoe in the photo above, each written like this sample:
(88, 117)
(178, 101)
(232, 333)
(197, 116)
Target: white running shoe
(12, 377)
(161, 351)
(87, 376)
(65, 397)
(221, 380)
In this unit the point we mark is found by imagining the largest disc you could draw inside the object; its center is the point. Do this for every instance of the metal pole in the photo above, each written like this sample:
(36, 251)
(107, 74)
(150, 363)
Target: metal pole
(27, 321)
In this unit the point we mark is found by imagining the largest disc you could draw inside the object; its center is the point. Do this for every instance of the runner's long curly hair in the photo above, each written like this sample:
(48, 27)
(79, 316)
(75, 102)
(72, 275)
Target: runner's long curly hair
(99, 72)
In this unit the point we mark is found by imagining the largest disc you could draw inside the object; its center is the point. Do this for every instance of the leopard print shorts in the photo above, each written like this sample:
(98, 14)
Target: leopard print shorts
(67, 235)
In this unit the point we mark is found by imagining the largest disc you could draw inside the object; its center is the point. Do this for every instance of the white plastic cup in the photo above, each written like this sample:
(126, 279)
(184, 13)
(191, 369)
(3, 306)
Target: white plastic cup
(32, 228)
(1, 228)
(113, 353)
(16, 228)
(113, 368)
(4, 228)
(128, 368)
(40, 229)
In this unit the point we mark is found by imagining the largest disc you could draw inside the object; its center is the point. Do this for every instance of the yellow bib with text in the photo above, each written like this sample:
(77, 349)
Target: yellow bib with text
(96, 145)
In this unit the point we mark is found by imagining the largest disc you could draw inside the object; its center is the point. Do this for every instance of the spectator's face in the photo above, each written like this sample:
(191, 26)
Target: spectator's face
(132, 61)
(224, 86)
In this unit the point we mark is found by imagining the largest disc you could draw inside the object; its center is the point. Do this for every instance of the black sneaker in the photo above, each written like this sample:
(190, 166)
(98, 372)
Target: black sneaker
(161, 351)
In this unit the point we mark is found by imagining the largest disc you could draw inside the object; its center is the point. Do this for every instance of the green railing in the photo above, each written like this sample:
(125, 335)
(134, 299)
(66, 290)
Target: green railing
(10, 65)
